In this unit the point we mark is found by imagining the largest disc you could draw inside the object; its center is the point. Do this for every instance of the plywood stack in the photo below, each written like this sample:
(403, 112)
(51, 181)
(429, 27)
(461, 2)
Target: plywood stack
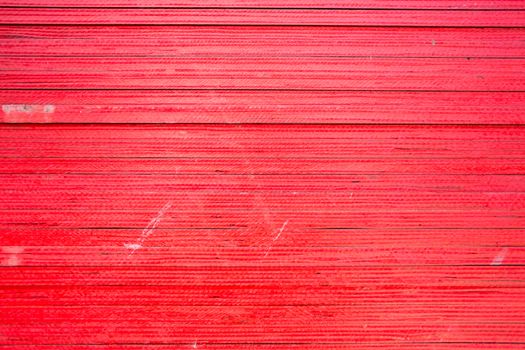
(249, 174)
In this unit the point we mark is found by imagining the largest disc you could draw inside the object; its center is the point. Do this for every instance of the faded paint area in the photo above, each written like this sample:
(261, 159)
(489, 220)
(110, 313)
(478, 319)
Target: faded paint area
(11, 255)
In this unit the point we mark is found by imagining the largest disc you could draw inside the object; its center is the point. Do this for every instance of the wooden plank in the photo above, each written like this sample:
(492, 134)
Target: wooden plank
(353, 316)
(329, 4)
(218, 332)
(417, 185)
(375, 278)
(228, 16)
(197, 106)
(258, 236)
(313, 218)
(263, 73)
(258, 256)
(272, 142)
(268, 346)
(400, 164)
(254, 324)
(260, 41)
(314, 295)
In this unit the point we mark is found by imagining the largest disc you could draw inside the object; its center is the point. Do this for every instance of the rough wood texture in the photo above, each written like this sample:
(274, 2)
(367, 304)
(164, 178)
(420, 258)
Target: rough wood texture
(285, 107)
(298, 73)
(280, 4)
(246, 174)
(261, 41)
(227, 16)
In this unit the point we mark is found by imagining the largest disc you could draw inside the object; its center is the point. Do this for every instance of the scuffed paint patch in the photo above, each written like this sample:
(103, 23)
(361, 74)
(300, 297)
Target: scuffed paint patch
(12, 259)
(19, 113)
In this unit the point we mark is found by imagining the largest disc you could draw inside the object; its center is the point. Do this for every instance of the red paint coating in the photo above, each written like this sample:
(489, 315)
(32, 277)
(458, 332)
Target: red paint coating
(261, 41)
(297, 73)
(226, 16)
(330, 4)
(262, 185)
(286, 107)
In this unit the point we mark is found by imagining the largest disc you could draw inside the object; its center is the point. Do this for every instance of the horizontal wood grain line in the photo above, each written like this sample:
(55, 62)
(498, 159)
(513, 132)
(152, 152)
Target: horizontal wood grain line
(431, 345)
(329, 107)
(325, 216)
(363, 277)
(257, 235)
(188, 41)
(263, 73)
(242, 143)
(350, 4)
(319, 17)
(272, 185)
(266, 253)
(43, 296)
(260, 166)
(224, 202)
(280, 316)
(230, 332)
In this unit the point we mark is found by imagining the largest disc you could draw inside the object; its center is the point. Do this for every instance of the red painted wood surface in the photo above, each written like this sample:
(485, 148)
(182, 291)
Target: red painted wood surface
(297, 73)
(246, 174)
(261, 41)
(330, 4)
(227, 16)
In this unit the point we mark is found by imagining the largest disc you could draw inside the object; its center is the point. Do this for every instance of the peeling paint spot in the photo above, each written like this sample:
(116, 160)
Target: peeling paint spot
(19, 113)
(21, 108)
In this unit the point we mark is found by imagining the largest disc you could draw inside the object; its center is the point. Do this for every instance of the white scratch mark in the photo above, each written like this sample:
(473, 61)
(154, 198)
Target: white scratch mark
(276, 237)
(280, 231)
(152, 225)
(433, 42)
(498, 259)
(148, 230)
(194, 345)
